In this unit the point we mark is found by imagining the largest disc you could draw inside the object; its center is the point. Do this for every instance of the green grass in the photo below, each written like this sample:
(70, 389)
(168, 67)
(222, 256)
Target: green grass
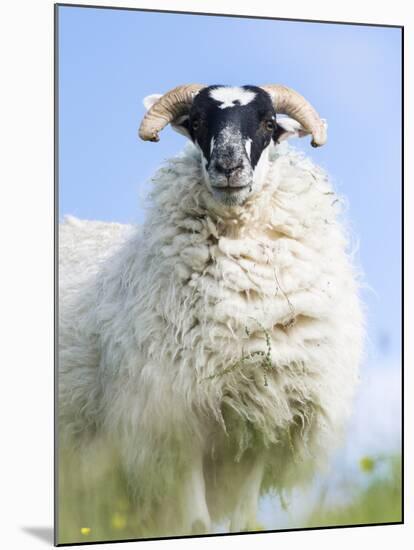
(102, 509)
(379, 502)
(97, 510)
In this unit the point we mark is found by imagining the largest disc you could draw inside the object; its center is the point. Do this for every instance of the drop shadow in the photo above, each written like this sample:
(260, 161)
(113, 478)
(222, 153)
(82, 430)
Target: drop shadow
(43, 533)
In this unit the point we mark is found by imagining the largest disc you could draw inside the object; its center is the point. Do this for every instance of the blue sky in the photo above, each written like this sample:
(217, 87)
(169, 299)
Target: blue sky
(110, 59)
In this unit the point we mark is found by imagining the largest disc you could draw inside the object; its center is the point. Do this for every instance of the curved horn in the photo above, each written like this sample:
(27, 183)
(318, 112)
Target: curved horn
(288, 102)
(172, 104)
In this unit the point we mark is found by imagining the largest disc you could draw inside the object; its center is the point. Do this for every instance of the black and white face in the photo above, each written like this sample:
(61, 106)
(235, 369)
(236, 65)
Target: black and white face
(234, 129)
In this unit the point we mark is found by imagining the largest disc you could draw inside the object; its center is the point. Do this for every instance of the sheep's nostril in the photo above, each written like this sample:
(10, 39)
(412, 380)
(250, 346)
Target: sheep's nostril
(219, 168)
(226, 170)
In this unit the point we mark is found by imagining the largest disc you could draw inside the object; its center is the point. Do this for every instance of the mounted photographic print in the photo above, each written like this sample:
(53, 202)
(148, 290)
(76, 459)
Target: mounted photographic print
(229, 340)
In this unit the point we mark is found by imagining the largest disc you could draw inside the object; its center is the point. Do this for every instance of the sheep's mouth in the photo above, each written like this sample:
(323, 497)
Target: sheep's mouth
(229, 188)
(231, 195)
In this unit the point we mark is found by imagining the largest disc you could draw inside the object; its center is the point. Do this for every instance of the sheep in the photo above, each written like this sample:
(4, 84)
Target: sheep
(215, 350)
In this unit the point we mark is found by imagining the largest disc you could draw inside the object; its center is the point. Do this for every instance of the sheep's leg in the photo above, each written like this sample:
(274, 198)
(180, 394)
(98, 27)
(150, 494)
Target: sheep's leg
(197, 517)
(244, 515)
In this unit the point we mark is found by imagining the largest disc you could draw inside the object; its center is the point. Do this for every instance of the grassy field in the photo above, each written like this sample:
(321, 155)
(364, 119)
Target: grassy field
(378, 502)
(104, 511)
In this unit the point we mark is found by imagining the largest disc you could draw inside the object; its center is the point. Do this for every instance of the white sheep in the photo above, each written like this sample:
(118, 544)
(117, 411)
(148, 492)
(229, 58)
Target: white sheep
(216, 348)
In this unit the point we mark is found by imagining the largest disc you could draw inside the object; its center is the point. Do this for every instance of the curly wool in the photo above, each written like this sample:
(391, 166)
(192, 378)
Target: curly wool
(151, 317)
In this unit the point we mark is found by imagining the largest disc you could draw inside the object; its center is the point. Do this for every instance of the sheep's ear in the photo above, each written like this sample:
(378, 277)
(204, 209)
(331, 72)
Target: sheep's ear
(149, 100)
(289, 127)
(182, 125)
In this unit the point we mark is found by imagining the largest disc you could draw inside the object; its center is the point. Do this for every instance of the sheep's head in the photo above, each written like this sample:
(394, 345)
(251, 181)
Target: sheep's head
(234, 128)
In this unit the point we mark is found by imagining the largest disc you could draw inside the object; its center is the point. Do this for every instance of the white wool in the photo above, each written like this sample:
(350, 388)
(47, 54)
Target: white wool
(148, 314)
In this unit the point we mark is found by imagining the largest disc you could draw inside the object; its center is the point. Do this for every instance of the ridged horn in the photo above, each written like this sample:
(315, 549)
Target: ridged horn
(171, 105)
(289, 102)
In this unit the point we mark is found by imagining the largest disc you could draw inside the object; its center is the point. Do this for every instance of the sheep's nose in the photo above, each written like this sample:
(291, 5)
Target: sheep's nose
(226, 169)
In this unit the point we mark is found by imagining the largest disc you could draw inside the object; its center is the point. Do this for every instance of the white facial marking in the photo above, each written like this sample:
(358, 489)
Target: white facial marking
(211, 145)
(228, 95)
(248, 146)
(261, 168)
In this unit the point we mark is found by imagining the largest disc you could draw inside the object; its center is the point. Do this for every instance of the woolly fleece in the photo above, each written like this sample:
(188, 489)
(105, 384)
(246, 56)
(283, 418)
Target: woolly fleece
(151, 316)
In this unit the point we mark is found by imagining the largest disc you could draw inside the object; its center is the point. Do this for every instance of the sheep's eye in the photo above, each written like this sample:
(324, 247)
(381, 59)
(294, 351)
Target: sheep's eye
(269, 125)
(195, 125)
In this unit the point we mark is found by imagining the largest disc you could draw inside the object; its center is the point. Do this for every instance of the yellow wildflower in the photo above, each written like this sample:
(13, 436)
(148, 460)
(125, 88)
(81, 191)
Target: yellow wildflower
(118, 521)
(367, 464)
